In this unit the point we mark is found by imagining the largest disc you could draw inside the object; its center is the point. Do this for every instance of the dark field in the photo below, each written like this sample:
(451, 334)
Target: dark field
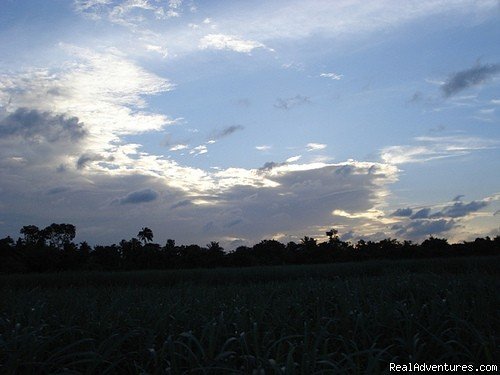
(340, 318)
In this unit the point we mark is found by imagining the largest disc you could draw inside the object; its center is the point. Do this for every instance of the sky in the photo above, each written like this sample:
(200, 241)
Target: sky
(237, 121)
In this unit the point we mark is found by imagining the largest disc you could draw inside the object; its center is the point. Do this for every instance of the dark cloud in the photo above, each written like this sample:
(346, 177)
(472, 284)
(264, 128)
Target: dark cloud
(402, 212)
(417, 229)
(421, 214)
(226, 131)
(58, 190)
(33, 125)
(270, 165)
(346, 170)
(88, 157)
(289, 103)
(183, 203)
(141, 196)
(468, 78)
(458, 198)
(416, 97)
(460, 209)
(233, 223)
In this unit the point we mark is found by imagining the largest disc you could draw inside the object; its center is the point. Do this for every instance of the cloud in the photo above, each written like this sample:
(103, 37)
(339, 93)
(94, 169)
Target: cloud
(417, 229)
(468, 78)
(183, 203)
(415, 225)
(416, 97)
(36, 126)
(292, 102)
(198, 150)
(103, 90)
(332, 76)
(432, 148)
(460, 209)
(178, 147)
(58, 190)
(293, 159)
(84, 160)
(218, 134)
(421, 214)
(263, 148)
(315, 146)
(141, 196)
(402, 212)
(229, 42)
(249, 26)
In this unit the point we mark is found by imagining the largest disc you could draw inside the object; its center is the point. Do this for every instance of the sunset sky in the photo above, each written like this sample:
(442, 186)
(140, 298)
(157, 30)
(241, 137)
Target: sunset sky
(235, 121)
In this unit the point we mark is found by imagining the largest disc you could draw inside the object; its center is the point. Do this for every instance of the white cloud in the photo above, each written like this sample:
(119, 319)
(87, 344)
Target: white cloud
(229, 42)
(298, 19)
(263, 148)
(315, 146)
(431, 148)
(178, 147)
(198, 150)
(293, 159)
(163, 51)
(333, 76)
(103, 89)
(254, 26)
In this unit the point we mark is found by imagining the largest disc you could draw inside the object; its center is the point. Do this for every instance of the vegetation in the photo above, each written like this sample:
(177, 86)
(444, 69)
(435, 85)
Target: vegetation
(289, 314)
(348, 318)
(51, 249)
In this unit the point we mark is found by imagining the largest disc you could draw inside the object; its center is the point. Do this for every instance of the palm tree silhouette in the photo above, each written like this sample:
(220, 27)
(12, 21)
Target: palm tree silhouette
(145, 235)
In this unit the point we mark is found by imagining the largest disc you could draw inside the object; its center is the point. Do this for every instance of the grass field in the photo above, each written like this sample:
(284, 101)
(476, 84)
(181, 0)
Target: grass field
(341, 318)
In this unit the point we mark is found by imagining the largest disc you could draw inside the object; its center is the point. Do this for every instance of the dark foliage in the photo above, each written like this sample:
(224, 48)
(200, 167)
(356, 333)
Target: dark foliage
(52, 249)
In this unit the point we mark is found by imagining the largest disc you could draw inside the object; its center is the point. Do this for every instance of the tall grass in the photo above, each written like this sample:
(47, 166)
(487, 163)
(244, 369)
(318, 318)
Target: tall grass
(347, 318)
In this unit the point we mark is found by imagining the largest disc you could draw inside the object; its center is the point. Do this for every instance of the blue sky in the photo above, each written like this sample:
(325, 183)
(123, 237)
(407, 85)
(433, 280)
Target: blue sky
(237, 121)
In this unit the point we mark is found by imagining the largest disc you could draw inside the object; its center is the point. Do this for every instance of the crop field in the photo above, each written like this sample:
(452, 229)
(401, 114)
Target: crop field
(341, 318)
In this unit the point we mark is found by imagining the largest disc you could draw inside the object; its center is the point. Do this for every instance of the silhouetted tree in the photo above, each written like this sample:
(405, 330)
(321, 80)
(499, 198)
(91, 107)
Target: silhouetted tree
(145, 235)
(52, 249)
(31, 233)
(59, 235)
(332, 234)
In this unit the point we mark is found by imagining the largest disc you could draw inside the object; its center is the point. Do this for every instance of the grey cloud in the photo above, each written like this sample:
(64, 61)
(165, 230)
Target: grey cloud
(421, 214)
(417, 229)
(183, 203)
(58, 190)
(346, 170)
(141, 196)
(460, 209)
(458, 198)
(88, 157)
(33, 125)
(301, 202)
(416, 97)
(468, 78)
(289, 103)
(270, 165)
(226, 131)
(402, 212)
(233, 223)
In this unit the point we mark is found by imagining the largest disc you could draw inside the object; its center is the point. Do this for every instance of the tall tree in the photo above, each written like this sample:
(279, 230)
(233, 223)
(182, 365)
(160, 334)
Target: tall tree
(145, 235)
(59, 235)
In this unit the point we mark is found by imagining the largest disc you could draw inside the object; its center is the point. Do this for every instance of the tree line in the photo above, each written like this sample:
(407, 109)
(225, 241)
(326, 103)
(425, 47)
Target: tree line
(52, 249)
